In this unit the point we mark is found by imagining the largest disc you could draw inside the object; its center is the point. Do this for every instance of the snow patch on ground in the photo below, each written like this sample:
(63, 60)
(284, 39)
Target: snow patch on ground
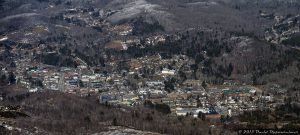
(115, 130)
(134, 8)
(18, 16)
(202, 3)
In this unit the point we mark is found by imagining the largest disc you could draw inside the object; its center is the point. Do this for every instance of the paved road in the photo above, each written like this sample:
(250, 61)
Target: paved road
(61, 85)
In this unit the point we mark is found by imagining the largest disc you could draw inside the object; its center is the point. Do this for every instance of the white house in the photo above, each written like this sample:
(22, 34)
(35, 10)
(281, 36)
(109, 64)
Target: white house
(168, 71)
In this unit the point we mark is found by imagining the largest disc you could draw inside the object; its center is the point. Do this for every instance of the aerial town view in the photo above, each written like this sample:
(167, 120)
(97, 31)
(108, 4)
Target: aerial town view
(149, 67)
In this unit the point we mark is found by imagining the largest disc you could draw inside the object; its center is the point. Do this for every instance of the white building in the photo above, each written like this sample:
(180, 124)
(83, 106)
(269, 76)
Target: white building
(168, 71)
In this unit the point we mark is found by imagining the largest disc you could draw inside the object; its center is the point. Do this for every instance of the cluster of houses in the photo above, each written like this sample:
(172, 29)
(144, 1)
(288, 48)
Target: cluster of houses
(193, 100)
(154, 40)
(190, 98)
(122, 30)
(119, 98)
